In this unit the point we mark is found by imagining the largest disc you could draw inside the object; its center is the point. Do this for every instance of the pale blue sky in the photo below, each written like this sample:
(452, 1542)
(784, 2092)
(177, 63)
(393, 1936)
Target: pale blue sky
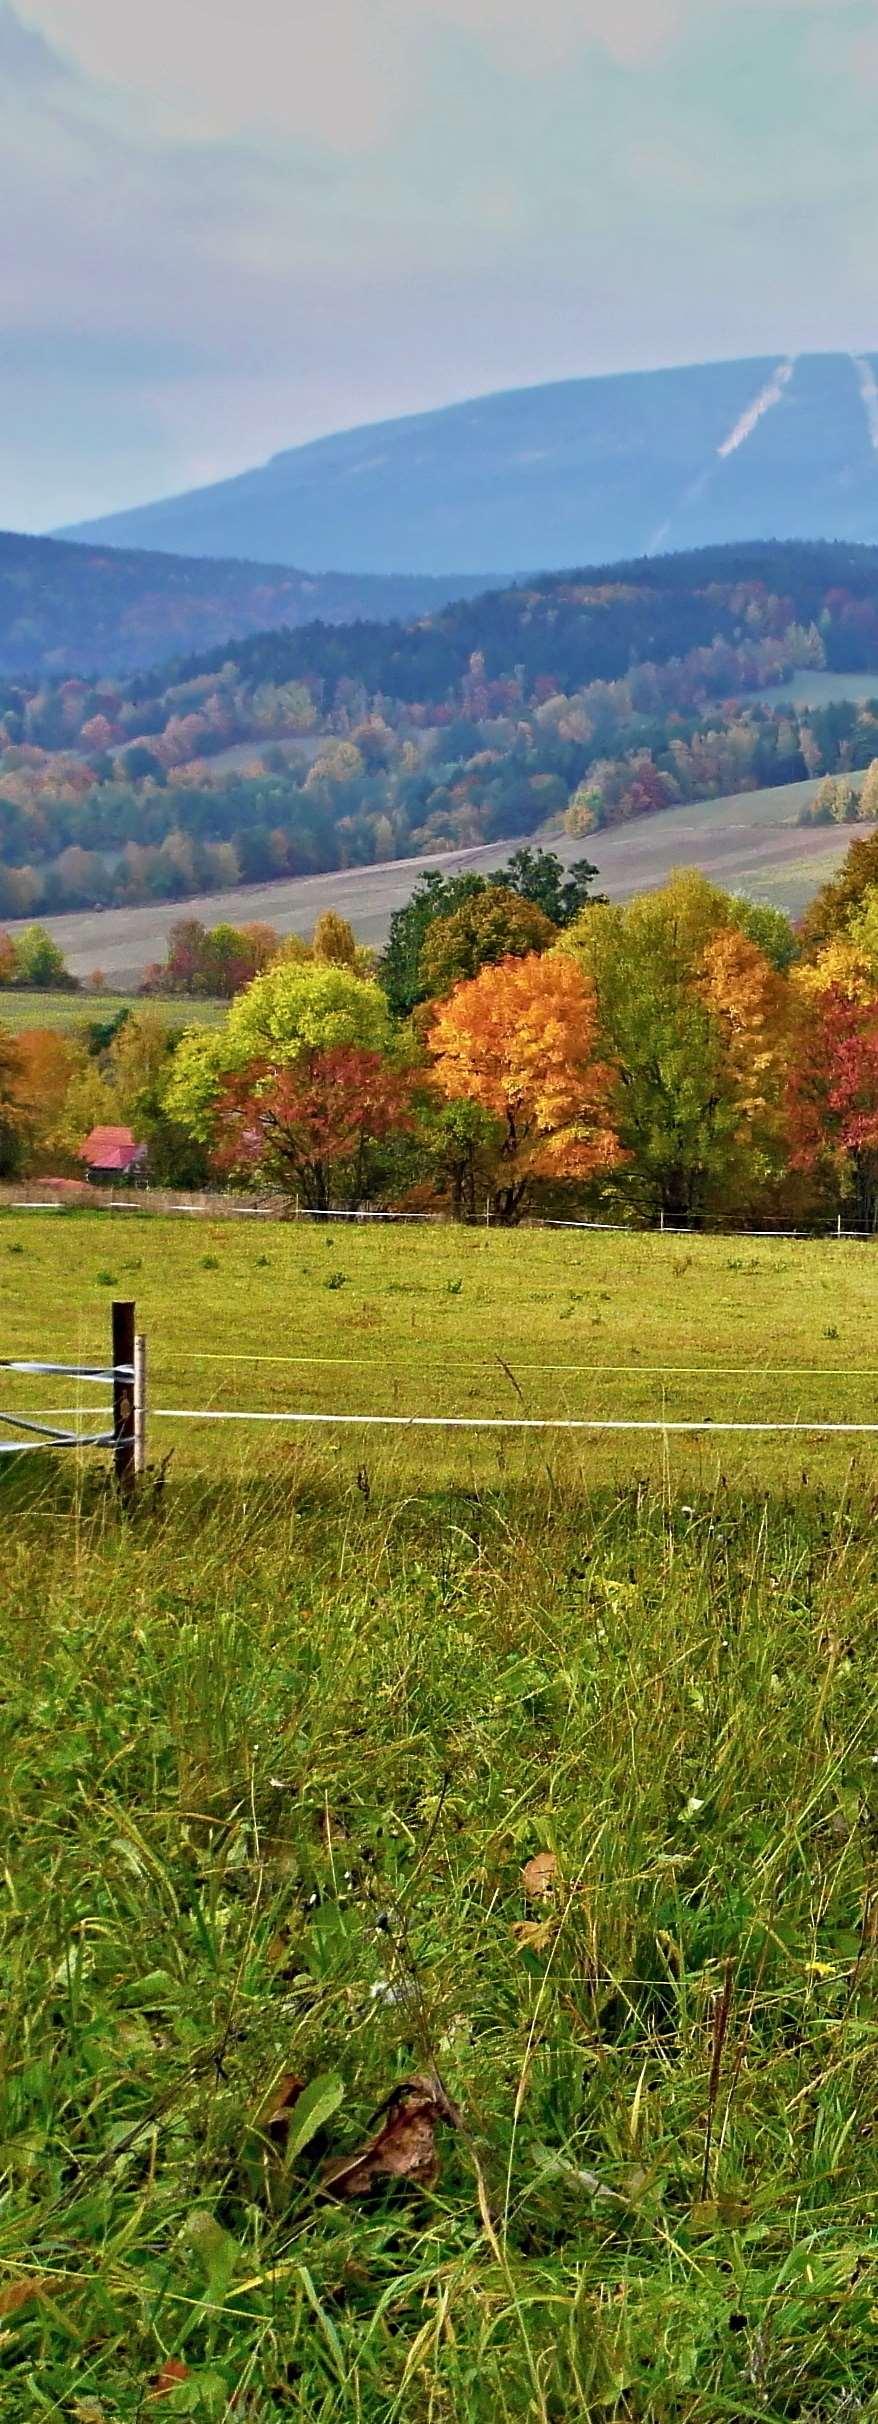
(228, 227)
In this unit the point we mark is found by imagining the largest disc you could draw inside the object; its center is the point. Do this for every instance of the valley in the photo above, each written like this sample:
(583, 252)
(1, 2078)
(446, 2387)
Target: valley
(750, 842)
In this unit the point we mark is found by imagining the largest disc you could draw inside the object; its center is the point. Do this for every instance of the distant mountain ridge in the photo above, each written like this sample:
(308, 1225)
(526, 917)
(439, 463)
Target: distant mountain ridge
(580, 471)
(101, 609)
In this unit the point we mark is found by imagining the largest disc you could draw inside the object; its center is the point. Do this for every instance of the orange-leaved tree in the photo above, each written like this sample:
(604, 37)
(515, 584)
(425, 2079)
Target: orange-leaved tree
(519, 1039)
(13, 1119)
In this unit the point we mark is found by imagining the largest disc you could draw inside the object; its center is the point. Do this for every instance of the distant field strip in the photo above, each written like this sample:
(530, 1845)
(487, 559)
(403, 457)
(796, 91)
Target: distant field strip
(750, 841)
(65, 1013)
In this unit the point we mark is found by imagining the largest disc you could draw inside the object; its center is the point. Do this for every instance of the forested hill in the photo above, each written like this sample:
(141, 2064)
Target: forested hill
(585, 626)
(565, 473)
(95, 610)
(579, 701)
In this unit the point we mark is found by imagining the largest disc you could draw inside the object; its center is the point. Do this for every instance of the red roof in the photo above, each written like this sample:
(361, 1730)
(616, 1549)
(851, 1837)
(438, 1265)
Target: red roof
(111, 1149)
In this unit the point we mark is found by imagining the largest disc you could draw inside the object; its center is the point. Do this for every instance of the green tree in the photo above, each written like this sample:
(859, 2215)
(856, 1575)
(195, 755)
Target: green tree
(539, 876)
(310, 1006)
(295, 1008)
(434, 896)
(462, 1142)
(690, 1015)
(492, 925)
(770, 928)
(39, 965)
(837, 902)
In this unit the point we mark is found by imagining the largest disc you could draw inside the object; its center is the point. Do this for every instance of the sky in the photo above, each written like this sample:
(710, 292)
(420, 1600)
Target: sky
(230, 228)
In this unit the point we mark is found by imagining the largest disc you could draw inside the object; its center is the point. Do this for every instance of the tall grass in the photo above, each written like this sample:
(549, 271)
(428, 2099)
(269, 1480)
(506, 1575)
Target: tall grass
(276, 1754)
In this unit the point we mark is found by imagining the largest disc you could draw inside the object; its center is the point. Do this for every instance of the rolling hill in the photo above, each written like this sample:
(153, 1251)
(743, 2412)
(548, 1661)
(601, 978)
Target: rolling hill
(582, 471)
(100, 609)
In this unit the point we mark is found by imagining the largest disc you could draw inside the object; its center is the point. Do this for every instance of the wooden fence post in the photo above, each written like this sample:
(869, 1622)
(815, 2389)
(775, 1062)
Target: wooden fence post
(139, 1407)
(123, 1396)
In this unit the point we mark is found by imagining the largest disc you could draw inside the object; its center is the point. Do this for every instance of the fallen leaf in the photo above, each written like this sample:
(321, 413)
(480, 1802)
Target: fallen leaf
(19, 2293)
(169, 2374)
(404, 2148)
(273, 2119)
(539, 1876)
(293, 2114)
(534, 1935)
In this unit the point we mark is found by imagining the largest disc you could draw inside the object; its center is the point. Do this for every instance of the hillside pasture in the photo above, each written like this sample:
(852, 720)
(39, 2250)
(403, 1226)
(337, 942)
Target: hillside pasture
(751, 842)
(334, 1317)
(544, 1779)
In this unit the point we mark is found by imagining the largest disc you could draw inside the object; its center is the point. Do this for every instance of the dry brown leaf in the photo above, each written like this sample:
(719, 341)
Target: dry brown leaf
(539, 1876)
(404, 2148)
(277, 2111)
(169, 2374)
(18, 2294)
(534, 1935)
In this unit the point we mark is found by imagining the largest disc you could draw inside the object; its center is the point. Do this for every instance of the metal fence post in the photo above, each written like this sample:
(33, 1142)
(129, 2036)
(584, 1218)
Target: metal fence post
(123, 1396)
(139, 1407)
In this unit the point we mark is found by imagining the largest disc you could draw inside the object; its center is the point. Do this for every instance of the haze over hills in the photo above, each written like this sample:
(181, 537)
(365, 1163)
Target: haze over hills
(66, 609)
(587, 470)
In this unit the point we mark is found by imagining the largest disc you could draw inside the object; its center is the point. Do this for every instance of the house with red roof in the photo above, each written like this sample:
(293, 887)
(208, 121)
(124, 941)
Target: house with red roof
(113, 1153)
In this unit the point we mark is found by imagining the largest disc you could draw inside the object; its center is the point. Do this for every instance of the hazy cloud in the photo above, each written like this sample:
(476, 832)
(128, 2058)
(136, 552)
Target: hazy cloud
(228, 230)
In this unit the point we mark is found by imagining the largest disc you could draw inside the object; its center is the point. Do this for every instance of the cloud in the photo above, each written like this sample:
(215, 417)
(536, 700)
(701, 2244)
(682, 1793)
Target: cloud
(227, 231)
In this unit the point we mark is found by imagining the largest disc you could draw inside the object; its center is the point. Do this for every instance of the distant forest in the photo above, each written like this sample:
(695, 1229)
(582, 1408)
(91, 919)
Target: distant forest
(97, 609)
(574, 702)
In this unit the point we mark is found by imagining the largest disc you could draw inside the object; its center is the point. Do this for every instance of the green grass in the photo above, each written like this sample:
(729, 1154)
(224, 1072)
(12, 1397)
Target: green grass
(276, 1749)
(66, 1013)
(274, 1760)
(256, 1314)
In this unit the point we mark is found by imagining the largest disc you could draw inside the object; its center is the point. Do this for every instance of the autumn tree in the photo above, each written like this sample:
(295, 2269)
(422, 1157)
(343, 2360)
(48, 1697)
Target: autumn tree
(833, 1099)
(13, 1121)
(7, 959)
(49, 1064)
(295, 1008)
(313, 1126)
(211, 961)
(691, 1017)
(491, 925)
(519, 1041)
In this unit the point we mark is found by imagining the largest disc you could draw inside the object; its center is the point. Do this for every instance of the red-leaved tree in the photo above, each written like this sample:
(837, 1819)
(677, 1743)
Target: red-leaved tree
(833, 1098)
(312, 1128)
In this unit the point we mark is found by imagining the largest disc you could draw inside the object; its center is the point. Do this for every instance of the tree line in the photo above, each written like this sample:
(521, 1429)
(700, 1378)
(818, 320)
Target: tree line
(685, 1055)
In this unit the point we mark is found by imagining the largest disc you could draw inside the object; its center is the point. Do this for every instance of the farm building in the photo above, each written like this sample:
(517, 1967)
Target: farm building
(113, 1153)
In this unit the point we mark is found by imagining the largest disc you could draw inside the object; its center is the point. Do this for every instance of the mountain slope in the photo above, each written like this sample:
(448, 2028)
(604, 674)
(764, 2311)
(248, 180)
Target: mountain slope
(100, 609)
(586, 470)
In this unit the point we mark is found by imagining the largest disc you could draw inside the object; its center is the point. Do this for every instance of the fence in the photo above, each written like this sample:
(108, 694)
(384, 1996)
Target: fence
(125, 1375)
(216, 1206)
(126, 1436)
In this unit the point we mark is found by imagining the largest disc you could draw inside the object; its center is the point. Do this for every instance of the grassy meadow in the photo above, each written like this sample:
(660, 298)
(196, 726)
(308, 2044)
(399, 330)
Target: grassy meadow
(337, 1317)
(543, 1775)
(68, 1013)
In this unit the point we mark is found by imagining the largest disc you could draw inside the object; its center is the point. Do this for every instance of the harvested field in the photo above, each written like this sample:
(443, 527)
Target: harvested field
(750, 842)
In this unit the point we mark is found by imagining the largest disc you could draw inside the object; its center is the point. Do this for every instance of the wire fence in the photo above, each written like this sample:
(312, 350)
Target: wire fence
(224, 1206)
(125, 1432)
